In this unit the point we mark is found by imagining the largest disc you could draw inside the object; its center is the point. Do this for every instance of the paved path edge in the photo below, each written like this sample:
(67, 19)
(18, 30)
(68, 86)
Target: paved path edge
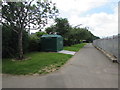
(111, 57)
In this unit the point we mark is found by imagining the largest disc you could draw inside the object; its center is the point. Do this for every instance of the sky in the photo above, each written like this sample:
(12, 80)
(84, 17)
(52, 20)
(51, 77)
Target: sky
(101, 16)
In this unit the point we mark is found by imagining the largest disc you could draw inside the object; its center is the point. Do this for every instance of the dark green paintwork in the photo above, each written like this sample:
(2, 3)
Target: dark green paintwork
(52, 43)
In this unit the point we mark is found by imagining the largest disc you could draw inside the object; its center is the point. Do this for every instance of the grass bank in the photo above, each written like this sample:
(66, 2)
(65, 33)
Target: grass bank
(39, 62)
(75, 47)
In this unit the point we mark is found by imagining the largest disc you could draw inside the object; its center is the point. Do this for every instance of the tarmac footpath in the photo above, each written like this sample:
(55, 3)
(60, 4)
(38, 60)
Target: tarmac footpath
(88, 68)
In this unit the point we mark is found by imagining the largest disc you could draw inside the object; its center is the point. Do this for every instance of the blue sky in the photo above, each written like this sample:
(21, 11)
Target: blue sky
(107, 8)
(100, 15)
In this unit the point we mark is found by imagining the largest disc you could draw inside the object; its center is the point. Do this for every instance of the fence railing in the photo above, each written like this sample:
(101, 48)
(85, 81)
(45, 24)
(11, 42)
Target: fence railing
(110, 45)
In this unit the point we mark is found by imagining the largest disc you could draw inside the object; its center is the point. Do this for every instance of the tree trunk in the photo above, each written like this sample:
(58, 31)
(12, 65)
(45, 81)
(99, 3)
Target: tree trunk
(20, 46)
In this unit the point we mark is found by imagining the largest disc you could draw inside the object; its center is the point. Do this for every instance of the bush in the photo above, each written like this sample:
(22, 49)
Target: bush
(35, 41)
(10, 42)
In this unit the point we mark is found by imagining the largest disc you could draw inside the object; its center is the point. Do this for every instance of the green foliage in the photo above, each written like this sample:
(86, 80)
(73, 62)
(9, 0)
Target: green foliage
(91, 37)
(51, 30)
(36, 64)
(8, 39)
(39, 34)
(62, 26)
(35, 41)
(71, 35)
(20, 16)
(9, 42)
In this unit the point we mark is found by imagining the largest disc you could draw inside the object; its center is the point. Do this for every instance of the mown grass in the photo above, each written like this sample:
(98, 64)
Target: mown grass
(75, 47)
(39, 62)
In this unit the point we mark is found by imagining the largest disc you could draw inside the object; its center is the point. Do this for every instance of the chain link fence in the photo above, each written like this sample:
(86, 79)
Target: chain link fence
(110, 45)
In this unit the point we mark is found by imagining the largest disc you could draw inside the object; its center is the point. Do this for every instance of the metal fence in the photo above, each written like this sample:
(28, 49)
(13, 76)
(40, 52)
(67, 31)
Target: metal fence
(110, 45)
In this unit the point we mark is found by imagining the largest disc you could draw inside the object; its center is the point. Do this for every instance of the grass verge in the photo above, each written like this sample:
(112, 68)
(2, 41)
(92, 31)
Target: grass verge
(75, 47)
(39, 62)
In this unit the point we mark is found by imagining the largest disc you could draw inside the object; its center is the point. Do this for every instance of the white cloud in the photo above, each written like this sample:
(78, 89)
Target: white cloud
(101, 24)
(104, 24)
(78, 5)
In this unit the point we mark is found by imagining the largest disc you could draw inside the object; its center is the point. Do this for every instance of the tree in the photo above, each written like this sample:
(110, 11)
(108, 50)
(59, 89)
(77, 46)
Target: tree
(9, 45)
(51, 29)
(71, 35)
(39, 34)
(62, 26)
(22, 16)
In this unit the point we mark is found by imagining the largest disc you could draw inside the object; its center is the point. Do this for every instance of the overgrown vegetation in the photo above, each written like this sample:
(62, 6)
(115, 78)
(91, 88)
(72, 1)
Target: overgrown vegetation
(40, 63)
